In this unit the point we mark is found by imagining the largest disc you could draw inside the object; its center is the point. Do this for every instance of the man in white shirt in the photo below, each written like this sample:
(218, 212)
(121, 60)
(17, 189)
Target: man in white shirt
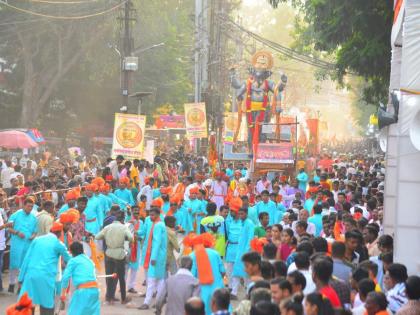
(263, 184)
(113, 165)
(147, 190)
(364, 286)
(188, 185)
(6, 175)
(303, 216)
(303, 266)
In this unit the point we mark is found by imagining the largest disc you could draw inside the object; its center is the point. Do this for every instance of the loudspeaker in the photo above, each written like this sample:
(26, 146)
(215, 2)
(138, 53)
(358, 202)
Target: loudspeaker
(386, 118)
(415, 131)
(383, 139)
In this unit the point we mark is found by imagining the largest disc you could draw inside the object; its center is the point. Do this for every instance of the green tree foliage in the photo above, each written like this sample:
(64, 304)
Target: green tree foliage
(355, 33)
(69, 63)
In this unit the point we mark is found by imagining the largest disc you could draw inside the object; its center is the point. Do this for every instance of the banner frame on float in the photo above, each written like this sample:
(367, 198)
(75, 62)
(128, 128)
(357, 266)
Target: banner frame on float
(195, 120)
(283, 150)
(133, 149)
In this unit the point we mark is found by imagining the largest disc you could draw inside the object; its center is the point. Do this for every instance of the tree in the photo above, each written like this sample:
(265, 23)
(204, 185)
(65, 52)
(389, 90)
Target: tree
(69, 62)
(354, 33)
(48, 49)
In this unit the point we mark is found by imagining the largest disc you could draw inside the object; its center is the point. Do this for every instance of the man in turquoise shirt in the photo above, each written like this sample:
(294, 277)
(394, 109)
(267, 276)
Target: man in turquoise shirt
(23, 231)
(302, 179)
(40, 266)
(81, 270)
(268, 206)
(316, 219)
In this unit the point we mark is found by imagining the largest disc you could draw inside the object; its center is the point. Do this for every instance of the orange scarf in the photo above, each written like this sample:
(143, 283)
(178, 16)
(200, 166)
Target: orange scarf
(95, 256)
(383, 312)
(149, 246)
(205, 275)
(133, 256)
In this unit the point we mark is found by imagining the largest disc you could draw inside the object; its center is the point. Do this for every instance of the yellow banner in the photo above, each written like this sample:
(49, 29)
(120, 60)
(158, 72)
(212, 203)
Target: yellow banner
(230, 126)
(129, 131)
(195, 120)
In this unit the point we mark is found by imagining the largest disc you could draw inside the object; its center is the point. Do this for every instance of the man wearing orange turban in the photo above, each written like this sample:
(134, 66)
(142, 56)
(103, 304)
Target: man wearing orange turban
(233, 227)
(207, 266)
(94, 213)
(71, 197)
(67, 219)
(105, 199)
(39, 268)
(124, 195)
(154, 254)
(190, 209)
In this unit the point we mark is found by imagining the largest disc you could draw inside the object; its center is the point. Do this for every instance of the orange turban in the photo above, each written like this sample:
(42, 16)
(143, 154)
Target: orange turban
(174, 199)
(104, 188)
(158, 202)
(257, 244)
(165, 190)
(71, 195)
(22, 307)
(313, 189)
(92, 187)
(70, 216)
(235, 204)
(199, 243)
(194, 190)
(99, 181)
(199, 176)
(147, 180)
(205, 239)
(125, 180)
(219, 174)
(56, 227)
(74, 213)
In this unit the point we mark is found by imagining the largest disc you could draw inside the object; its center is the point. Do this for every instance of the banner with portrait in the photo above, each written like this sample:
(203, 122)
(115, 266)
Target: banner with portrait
(195, 120)
(128, 135)
(230, 126)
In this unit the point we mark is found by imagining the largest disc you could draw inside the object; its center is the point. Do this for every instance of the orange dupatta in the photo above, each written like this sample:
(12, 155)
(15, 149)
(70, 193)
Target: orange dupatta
(134, 249)
(149, 246)
(205, 274)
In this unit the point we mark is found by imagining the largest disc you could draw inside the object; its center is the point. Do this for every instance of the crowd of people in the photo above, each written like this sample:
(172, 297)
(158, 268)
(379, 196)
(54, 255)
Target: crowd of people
(209, 241)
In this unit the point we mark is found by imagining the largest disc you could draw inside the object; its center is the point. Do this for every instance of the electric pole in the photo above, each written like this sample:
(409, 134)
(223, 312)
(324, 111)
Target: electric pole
(127, 62)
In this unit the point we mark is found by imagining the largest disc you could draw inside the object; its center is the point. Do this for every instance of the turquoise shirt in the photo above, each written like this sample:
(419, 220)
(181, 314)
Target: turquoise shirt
(233, 227)
(80, 269)
(303, 181)
(188, 209)
(309, 204)
(316, 219)
(26, 224)
(217, 269)
(253, 214)
(198, 217)
(93, 213)
(271, 208)
(39, 269)
(159, 248)
(126, 196)
(244, 246)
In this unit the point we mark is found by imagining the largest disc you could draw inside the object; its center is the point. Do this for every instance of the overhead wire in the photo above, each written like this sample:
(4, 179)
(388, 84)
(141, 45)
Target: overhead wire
(63, 2)
(286, 51)
(59, 17)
